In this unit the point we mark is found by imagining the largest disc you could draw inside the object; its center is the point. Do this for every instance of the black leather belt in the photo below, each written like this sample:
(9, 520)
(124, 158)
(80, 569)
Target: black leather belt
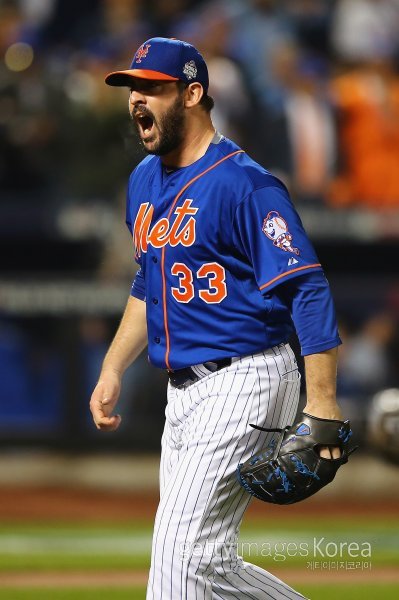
(181, 377)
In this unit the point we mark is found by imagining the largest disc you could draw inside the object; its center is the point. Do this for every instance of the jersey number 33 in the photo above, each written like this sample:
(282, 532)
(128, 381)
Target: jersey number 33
(185, 292)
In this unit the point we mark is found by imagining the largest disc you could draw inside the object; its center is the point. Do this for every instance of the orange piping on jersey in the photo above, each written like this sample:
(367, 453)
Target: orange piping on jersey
(165, 315)
(265, 285)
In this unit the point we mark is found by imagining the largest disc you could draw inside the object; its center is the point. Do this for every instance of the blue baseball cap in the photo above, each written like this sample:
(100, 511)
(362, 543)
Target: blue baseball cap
(164, 59)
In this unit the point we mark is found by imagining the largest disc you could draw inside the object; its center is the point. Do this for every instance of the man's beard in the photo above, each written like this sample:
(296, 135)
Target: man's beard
(170, 126)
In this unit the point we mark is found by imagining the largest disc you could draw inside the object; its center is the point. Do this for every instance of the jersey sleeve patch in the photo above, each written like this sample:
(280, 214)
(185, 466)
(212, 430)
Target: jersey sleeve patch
(268, 231)
(275, 227)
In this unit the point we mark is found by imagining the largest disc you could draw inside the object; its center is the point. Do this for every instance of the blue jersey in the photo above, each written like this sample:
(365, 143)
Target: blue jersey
(213, 241)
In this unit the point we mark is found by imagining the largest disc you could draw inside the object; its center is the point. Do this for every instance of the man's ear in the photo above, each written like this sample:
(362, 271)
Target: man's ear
(193, 94)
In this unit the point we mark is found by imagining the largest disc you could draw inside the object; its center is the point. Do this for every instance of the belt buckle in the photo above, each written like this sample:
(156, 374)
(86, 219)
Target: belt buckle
(212, 366)
(182, 376)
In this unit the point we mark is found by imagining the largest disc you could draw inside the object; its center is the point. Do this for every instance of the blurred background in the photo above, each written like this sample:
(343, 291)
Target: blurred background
(309, 88)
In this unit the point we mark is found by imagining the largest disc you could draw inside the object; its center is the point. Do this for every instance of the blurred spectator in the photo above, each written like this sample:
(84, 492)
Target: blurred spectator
(363, 29)
(94, 335)
(70, 23)
(13, 369)
(231, 101)
(367, 100)
(165, 17)
(32, 378)
(118, 261)
(299, 144)
(310, 125)
(259, 29)
(364, 358)
(228, 85)
(311, 22)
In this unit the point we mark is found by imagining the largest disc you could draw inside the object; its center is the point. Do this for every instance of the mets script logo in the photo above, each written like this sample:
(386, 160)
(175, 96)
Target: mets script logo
(181, 231)
(142, 52)
(276, 229)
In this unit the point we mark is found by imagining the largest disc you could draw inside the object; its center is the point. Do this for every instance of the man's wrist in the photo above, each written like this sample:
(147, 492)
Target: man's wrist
(113, 370)
(324, 409)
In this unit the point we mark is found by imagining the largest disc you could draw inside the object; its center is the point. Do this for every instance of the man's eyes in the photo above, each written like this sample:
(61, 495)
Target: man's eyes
(151, 86)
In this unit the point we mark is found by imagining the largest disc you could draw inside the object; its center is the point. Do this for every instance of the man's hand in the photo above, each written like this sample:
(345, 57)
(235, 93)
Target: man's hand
(129, 341)
(324, 411)
(104, 399)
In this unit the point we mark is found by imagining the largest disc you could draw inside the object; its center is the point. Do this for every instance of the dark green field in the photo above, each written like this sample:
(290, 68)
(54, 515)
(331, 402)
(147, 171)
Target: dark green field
(314, 592)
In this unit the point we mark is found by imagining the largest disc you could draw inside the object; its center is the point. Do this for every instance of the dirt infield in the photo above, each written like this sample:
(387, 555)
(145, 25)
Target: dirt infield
(65, 504)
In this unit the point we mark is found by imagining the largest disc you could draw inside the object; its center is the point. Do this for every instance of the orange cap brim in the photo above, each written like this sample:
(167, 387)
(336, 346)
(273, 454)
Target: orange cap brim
(124, 78)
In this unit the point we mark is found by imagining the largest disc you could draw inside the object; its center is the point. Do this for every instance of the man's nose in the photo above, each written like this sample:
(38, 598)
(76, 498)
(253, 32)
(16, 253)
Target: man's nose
(136, 97)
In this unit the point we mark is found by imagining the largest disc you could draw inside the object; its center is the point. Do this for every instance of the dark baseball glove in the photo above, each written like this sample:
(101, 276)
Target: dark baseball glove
(290, 468)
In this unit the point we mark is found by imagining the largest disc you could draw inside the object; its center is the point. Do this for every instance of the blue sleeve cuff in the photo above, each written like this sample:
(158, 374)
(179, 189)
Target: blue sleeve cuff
(322, 347)
(138, 286)
(312, 310)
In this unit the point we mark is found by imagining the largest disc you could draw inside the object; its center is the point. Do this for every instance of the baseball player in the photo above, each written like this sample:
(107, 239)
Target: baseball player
(226, 272)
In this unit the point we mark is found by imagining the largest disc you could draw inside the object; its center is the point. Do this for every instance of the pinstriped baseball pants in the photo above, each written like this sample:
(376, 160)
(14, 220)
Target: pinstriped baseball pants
(206, 435)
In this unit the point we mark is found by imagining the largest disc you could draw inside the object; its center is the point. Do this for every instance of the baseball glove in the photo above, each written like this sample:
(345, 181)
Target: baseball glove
(290, 468)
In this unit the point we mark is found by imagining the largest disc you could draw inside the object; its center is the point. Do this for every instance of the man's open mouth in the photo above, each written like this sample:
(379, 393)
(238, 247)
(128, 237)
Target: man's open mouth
(145, 124)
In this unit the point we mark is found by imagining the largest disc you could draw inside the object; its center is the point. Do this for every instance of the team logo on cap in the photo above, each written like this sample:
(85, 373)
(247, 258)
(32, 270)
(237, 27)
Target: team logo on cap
(142, 52)
(276, 229)
(190, 69)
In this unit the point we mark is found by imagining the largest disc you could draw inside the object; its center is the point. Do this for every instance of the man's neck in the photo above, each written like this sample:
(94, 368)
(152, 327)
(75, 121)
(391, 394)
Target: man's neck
(193, 147)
